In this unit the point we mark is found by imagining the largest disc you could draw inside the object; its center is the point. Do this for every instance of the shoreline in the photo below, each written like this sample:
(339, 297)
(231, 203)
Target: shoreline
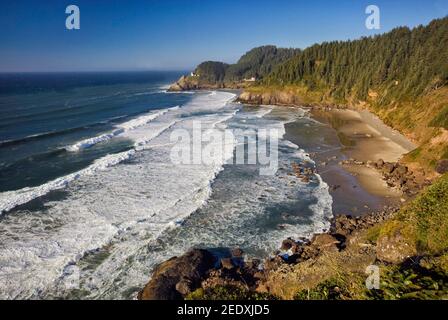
(356, 190)
(367, 139)
(361, 199)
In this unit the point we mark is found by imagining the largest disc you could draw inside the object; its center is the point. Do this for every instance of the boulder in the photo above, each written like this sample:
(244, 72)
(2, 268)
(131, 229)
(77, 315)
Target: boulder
(172, 279)
(394, 248)
(325, 242)
(401, 170)
(227, 263)
(388, 168)
(288, 244)
(185, 286)
(237, 252)
(380, 163)
(442, 166)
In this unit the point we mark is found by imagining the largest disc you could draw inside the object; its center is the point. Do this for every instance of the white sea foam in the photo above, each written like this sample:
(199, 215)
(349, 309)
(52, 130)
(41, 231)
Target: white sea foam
(146, 210)
(12, 199)
(121, 128)
(126, 205)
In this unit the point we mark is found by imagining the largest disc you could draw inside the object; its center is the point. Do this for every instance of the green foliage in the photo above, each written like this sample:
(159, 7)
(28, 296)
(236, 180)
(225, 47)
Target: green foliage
(440, 120)
(414, 154)
(211, 71)
(445, 153)
(396, 282)
(373, 233)
(416, 284)
(227, 293)
(400, 64)
(332, 289)
(258, 62)
(427, 217)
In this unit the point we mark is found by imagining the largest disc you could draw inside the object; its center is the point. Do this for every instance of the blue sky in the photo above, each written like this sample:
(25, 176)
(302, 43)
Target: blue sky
(176, 35)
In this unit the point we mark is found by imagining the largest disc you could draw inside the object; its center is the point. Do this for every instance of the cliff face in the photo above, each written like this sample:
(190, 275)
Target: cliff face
(270, 98)
(184, 84)
(413, 118)
(189, 83)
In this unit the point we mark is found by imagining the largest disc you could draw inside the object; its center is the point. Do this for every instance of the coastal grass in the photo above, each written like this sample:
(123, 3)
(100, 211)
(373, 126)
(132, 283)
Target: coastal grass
(228, 292)
(424, 221)
(398, 283)
(341, 275)
(424, 224)
(441, 119)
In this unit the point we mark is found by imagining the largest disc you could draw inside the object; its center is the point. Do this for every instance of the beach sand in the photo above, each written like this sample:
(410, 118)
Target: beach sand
(359, 135)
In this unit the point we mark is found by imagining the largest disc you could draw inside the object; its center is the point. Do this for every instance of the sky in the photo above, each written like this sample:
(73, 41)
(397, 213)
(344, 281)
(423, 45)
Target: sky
(123, 35)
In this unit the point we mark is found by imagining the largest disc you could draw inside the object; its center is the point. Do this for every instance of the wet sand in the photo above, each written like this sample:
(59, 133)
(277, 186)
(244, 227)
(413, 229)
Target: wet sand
(345, 134)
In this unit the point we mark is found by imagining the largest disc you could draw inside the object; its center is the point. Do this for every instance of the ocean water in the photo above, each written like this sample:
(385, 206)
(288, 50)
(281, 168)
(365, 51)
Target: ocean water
(90, 200)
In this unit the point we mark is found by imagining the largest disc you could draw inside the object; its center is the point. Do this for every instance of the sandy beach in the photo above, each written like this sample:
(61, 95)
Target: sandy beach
(359, 135)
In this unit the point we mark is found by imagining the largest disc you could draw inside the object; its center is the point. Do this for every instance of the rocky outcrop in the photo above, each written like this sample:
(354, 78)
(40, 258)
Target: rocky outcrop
(185, 83)
(178, 276)
(343, 227)
(270, 98)
(347, 225)
(282, 98)
(442, 166)
(394, 248)
(191, 83)
(395, 174)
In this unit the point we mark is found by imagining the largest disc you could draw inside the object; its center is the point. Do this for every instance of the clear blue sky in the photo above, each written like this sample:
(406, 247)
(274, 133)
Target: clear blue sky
(176, 35)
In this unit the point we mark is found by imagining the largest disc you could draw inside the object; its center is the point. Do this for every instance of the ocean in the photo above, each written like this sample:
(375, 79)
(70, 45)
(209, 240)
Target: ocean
(91, 200)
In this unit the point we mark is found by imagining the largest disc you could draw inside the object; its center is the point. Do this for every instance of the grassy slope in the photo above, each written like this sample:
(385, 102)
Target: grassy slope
(341, 275)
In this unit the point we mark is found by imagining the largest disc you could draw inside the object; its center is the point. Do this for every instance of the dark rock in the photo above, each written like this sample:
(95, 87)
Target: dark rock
(325, 242)
(184, 286)
(193, 265)
(402, 181)
(442, 166)
(237, 252)
(288, 244)
(387, 168)
(380, 163)
(401, 170)
(253, 264)
(227, 263)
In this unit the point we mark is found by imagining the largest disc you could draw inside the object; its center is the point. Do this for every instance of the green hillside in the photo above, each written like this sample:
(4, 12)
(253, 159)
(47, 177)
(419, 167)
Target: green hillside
(401, 76)
(402, 64)
(257, 63)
